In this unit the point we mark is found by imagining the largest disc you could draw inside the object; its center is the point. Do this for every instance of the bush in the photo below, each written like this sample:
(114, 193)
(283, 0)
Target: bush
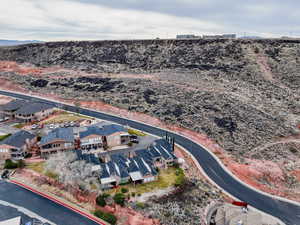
(124, 190)
(108, 217)
(119, 199)
(10, 164)
(140, 205)
(21, 164)
(101, 201)
(133, 194)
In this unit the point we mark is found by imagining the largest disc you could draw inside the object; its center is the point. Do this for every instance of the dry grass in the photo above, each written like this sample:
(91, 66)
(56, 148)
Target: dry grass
(63, 117)
(37, 167)
(166, 178)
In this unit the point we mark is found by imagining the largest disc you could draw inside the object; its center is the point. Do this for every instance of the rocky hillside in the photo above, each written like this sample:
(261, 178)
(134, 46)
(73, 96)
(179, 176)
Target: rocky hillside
(242, 93)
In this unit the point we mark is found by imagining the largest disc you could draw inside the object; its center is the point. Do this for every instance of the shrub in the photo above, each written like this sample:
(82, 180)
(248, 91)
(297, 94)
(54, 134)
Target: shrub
(133, 194)
(108, 217)
(105, 195)
(100, 200)
(21, 164)
(119, 199)
(124, 190)
(140, 205)
(10, 164)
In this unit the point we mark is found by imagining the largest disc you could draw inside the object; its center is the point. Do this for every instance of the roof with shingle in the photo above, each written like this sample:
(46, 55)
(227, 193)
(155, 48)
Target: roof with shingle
(65, 134)
(14, 105)
(105, 130)
(18, 139)
(34, 107)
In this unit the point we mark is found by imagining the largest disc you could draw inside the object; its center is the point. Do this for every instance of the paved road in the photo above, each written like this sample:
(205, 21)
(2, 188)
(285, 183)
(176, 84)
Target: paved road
(39, 205)
(287, 212)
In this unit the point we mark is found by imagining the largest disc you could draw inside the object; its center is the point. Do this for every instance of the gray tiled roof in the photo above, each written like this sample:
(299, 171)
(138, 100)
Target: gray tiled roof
(33, 107)
(18, 139)
(104, 130)
(14, 105)
(66, 134)
(121, 165)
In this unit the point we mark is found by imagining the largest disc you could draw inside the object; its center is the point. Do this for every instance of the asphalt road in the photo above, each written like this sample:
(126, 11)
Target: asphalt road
(289, 213)
(41, 206)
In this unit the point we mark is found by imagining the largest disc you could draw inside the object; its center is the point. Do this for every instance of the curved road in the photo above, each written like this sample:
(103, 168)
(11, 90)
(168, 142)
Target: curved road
(44, 207)
(287, 212)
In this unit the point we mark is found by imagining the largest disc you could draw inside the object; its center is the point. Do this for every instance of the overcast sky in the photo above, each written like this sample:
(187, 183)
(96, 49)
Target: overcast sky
(138, 19)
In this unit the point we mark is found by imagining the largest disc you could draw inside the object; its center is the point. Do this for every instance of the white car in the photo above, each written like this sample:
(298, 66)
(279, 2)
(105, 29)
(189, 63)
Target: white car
(51, 126)
(34, 126)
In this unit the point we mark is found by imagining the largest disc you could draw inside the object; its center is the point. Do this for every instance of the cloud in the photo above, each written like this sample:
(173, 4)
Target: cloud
(126, 19)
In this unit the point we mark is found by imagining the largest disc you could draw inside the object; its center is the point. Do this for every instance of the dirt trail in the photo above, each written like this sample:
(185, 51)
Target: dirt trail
(286, 141)
(262, 61)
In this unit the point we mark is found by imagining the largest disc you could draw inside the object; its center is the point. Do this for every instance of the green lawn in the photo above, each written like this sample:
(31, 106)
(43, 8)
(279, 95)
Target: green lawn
(166, 178)
(19, 125)
(3, 137)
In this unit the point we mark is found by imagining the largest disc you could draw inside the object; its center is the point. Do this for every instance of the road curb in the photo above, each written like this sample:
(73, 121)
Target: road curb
(59, 202)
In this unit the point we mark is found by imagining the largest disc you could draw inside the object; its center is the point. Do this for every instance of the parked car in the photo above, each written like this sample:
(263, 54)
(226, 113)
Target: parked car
(72, 124)
(51, 126)
(5, 174)
(34, 126)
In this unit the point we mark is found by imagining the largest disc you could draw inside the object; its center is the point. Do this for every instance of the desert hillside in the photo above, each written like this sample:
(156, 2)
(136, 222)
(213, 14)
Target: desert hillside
(243, 94)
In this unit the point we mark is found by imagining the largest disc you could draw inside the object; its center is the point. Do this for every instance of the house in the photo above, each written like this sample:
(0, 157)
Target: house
(33, 111)
(57, 140)
(10, 108)
(91, 139)
(27, 111)
(17, 145)
(103, 135)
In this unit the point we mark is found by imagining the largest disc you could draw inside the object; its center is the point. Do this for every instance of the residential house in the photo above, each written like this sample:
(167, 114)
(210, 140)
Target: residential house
(57, 140)
(33, 111)
(10, 108)
(17, 145)
(91, 139)
(103, 135)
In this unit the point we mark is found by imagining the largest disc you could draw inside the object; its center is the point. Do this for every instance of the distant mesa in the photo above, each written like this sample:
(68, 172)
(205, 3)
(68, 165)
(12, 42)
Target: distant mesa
(16, 42)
